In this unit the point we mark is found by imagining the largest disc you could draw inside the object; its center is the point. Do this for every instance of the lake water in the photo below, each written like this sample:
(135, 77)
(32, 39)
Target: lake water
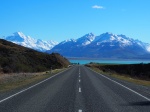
(108, 61)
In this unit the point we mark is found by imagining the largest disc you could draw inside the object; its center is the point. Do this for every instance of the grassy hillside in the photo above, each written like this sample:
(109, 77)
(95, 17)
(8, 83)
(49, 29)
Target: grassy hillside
(15, 58)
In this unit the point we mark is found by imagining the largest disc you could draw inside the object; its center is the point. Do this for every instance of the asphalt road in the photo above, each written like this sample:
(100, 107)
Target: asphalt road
(78, 89)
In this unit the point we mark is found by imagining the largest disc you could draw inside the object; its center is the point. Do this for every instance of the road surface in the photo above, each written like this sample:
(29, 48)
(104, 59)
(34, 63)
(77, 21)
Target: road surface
(78, 89)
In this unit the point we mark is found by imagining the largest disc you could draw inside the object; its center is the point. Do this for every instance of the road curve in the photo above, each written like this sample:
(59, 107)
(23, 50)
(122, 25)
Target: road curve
(79, 89)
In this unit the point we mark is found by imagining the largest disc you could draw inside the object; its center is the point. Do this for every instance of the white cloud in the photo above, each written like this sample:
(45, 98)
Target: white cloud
(97, 7)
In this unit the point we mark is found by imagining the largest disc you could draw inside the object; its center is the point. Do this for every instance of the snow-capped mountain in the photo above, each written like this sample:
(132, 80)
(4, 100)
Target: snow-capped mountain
(26, 41)
(86, 39)
(106, 45)
(83, 41)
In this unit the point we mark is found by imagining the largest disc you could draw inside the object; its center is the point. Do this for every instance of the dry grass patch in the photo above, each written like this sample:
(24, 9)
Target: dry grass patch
(123, 77)
(15, 80)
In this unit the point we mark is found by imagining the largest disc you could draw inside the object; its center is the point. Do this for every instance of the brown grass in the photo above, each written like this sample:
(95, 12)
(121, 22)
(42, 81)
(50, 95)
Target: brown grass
(15, 80)
(124, 77)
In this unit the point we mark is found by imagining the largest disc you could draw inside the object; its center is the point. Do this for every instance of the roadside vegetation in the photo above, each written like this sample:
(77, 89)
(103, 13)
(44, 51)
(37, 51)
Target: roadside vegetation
(18, 59)
(136, 73)
(16, 80)
(20, 66)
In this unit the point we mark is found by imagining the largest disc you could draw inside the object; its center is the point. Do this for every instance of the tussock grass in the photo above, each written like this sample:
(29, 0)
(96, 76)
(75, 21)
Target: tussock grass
(17, 59)
(124, 77)
(14, 81)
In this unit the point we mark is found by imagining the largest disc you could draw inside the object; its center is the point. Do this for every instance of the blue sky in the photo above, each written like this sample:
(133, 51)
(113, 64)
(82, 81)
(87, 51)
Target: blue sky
(64, 19)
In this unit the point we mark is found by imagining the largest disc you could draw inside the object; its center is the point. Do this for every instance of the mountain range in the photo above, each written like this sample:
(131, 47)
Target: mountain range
(27, 41)
(106, 45)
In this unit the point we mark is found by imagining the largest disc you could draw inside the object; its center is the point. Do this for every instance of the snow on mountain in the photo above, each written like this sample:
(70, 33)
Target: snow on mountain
(148, 48)
(68, 41)
(83, 41)
(26, 41)
(106, 45)
(144, 45)
(86, 39)
(122, 40)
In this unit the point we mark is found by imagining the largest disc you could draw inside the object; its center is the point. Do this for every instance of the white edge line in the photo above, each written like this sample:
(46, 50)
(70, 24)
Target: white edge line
(122, 85)
(29, 87)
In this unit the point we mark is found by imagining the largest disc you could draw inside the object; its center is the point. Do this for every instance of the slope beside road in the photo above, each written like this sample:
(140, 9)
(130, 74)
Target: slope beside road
(79, 89)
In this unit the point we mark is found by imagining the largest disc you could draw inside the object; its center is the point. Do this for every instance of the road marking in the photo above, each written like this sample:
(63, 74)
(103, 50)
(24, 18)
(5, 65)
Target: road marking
(79, 90)
(30, 87)
(79, 76)
(79, 80)
(79, 70)
(123, 86)
(80, 110)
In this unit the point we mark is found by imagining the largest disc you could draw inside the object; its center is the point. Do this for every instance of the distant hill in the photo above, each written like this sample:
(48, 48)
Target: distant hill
(106, 45)
(15, 58)
(27, 41)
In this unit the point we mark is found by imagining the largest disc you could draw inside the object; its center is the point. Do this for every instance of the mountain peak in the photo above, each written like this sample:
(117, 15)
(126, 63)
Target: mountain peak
(90, 34)
(108, 34)
(16, 37)
(19, 34)
(106, 37)
(27, 41)
(86, 39)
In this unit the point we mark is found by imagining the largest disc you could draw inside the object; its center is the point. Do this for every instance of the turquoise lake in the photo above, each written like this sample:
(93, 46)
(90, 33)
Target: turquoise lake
(108, 61)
